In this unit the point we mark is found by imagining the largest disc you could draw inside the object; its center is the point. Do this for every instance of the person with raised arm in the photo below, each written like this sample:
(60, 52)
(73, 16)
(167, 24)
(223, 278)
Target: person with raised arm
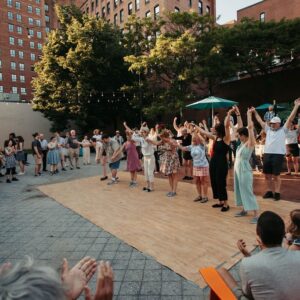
(148, 154)
(243, 176)
(218, 166)
(275, 150)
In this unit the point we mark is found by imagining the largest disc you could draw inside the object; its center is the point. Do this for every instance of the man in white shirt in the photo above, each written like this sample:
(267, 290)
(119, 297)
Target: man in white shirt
(274, 151)
(44, 145)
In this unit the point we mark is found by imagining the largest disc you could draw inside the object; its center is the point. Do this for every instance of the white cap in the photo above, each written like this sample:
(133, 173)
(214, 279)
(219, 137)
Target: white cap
(275, 120)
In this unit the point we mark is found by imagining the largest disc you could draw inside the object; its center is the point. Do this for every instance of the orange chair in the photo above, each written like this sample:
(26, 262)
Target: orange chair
(219, 289)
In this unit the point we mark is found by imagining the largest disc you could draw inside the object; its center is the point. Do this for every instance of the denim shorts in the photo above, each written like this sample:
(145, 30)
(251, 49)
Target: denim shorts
(115, 165)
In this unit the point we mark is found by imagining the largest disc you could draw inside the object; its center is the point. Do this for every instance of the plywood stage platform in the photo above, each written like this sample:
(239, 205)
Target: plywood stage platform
(177, 232)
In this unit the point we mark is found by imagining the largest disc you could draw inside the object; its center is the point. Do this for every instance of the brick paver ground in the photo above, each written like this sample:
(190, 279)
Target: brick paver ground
(33, 224)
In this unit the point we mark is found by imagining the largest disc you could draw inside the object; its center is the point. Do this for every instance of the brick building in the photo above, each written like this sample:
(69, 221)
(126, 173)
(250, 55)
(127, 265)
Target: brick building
(117, 11)
(268, 10)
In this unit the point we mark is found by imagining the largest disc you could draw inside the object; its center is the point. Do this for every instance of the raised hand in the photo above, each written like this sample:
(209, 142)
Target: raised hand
(105, 284)
(76, 279)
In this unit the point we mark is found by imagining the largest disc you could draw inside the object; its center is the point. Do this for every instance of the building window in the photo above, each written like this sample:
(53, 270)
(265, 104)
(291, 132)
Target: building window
(14, 90)
(30, 21)
(46, 7)
(147, 1)
(47, 29)
(37, 1)
(262, 17)
(1, 89)
(92, 6)
(22, 78)
(13, 77)
(115, 19)
(137, 4)
(208, 10)
(176, 9)
(29, 9)
(38, 22)
(0, 63)
(30, 32)
(37, 11)
(19, 30)
(31, 44)
(21, 54)
(18, 5)
(20, 42)
(39, 46)
(47, 19)
(32, 56)
(148, 14)
(156, 12)
(19, 18)
(200, 7)
(115, 3)
(97, 15)
(103, 12)
(10, 15)
(190, 3)
(1, 77)
(23, 91)
(12, 53)
(108, 8)
(121, 15)
(11, 40)
(87, 10)
(21, 67)
(97, 3)
(10, 27)
(39, 35)
(13, 65)
(130, 8)
(9, 3)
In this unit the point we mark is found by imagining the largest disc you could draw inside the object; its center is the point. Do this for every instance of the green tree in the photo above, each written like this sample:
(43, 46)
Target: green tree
(81, 72)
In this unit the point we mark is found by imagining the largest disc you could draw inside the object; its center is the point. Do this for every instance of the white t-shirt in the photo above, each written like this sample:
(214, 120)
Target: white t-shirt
(98, 137)
(275, 140)
(147, 148)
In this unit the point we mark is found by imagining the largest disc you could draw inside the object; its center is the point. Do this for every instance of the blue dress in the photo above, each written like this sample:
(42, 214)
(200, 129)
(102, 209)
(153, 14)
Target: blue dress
(53, 156)
(243, 179)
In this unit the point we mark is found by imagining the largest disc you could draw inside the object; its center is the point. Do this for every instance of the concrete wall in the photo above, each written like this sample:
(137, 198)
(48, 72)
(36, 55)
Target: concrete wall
(21, 119)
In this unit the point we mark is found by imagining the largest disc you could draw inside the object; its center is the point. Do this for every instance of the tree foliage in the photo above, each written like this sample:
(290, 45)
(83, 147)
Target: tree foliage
(81, 69)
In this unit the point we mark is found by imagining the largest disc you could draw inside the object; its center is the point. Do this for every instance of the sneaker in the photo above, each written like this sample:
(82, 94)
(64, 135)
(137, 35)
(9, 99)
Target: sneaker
(189, 178)
(225, 208)
(103, 178)
(71, 168)
(276, 196)
(254, 220)
(149, 190)
(145, 189)
(112, 182)
(204, 200)
(21, 173)
(288, 173)
(198, 199)
(185, 178)
(39, 173)
(217, 205)
(63, 169)
(171, 194)
(77, 167)
(8, 181)
(15, 179)
(241, 214)
(268, 194)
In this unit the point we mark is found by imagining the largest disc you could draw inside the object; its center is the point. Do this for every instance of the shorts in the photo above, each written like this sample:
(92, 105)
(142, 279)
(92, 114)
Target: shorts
(187, 155)
(272, 163)
(115, 165)
(74, 152)
(200, 171)
(38, 161)
(292, 150)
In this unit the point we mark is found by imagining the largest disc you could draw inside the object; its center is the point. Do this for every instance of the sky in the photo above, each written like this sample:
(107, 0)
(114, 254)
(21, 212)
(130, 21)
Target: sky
(227, 8)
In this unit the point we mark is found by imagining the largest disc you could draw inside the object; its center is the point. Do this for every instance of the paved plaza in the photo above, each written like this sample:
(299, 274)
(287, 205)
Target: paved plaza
(33, 224)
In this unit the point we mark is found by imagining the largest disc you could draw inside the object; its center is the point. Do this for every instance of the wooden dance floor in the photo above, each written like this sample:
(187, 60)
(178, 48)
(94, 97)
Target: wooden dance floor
(177, 232)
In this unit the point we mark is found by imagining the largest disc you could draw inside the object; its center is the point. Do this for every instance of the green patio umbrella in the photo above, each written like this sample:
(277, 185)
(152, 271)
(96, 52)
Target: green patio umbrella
(212, 103)
(265, 106)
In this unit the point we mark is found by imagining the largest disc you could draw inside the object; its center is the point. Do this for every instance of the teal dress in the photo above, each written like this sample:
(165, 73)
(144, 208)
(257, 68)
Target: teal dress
(243, 179)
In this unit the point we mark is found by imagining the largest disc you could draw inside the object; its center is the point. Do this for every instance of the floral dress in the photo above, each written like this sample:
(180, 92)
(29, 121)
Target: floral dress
(169, 160)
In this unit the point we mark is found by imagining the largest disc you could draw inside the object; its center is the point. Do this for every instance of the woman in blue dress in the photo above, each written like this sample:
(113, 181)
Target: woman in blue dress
(53, 157)
(243, 176)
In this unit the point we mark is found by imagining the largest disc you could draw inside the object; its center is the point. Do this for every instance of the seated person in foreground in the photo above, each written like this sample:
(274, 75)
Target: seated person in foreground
(273, 273)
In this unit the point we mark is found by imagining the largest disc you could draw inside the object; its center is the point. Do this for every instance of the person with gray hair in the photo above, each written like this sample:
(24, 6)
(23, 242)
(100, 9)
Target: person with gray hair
(28, 281)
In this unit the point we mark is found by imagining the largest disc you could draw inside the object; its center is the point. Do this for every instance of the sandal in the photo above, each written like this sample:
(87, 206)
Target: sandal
(198, 199)
(204, 200)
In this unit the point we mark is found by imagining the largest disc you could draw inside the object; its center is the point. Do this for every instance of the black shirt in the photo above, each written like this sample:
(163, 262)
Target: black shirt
(186, 140)
(36, 143)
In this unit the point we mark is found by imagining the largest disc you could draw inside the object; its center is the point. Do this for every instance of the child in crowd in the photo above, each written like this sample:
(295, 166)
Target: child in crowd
(292, 237)
(10, 161)
(86, 150)
(53, 155)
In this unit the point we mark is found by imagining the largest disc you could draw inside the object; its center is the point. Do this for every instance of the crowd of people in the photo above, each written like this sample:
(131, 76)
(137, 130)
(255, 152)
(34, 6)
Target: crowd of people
(205, 154)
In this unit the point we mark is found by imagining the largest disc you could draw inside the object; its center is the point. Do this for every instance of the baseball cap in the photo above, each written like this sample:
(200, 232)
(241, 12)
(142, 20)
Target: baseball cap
(275, 120)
